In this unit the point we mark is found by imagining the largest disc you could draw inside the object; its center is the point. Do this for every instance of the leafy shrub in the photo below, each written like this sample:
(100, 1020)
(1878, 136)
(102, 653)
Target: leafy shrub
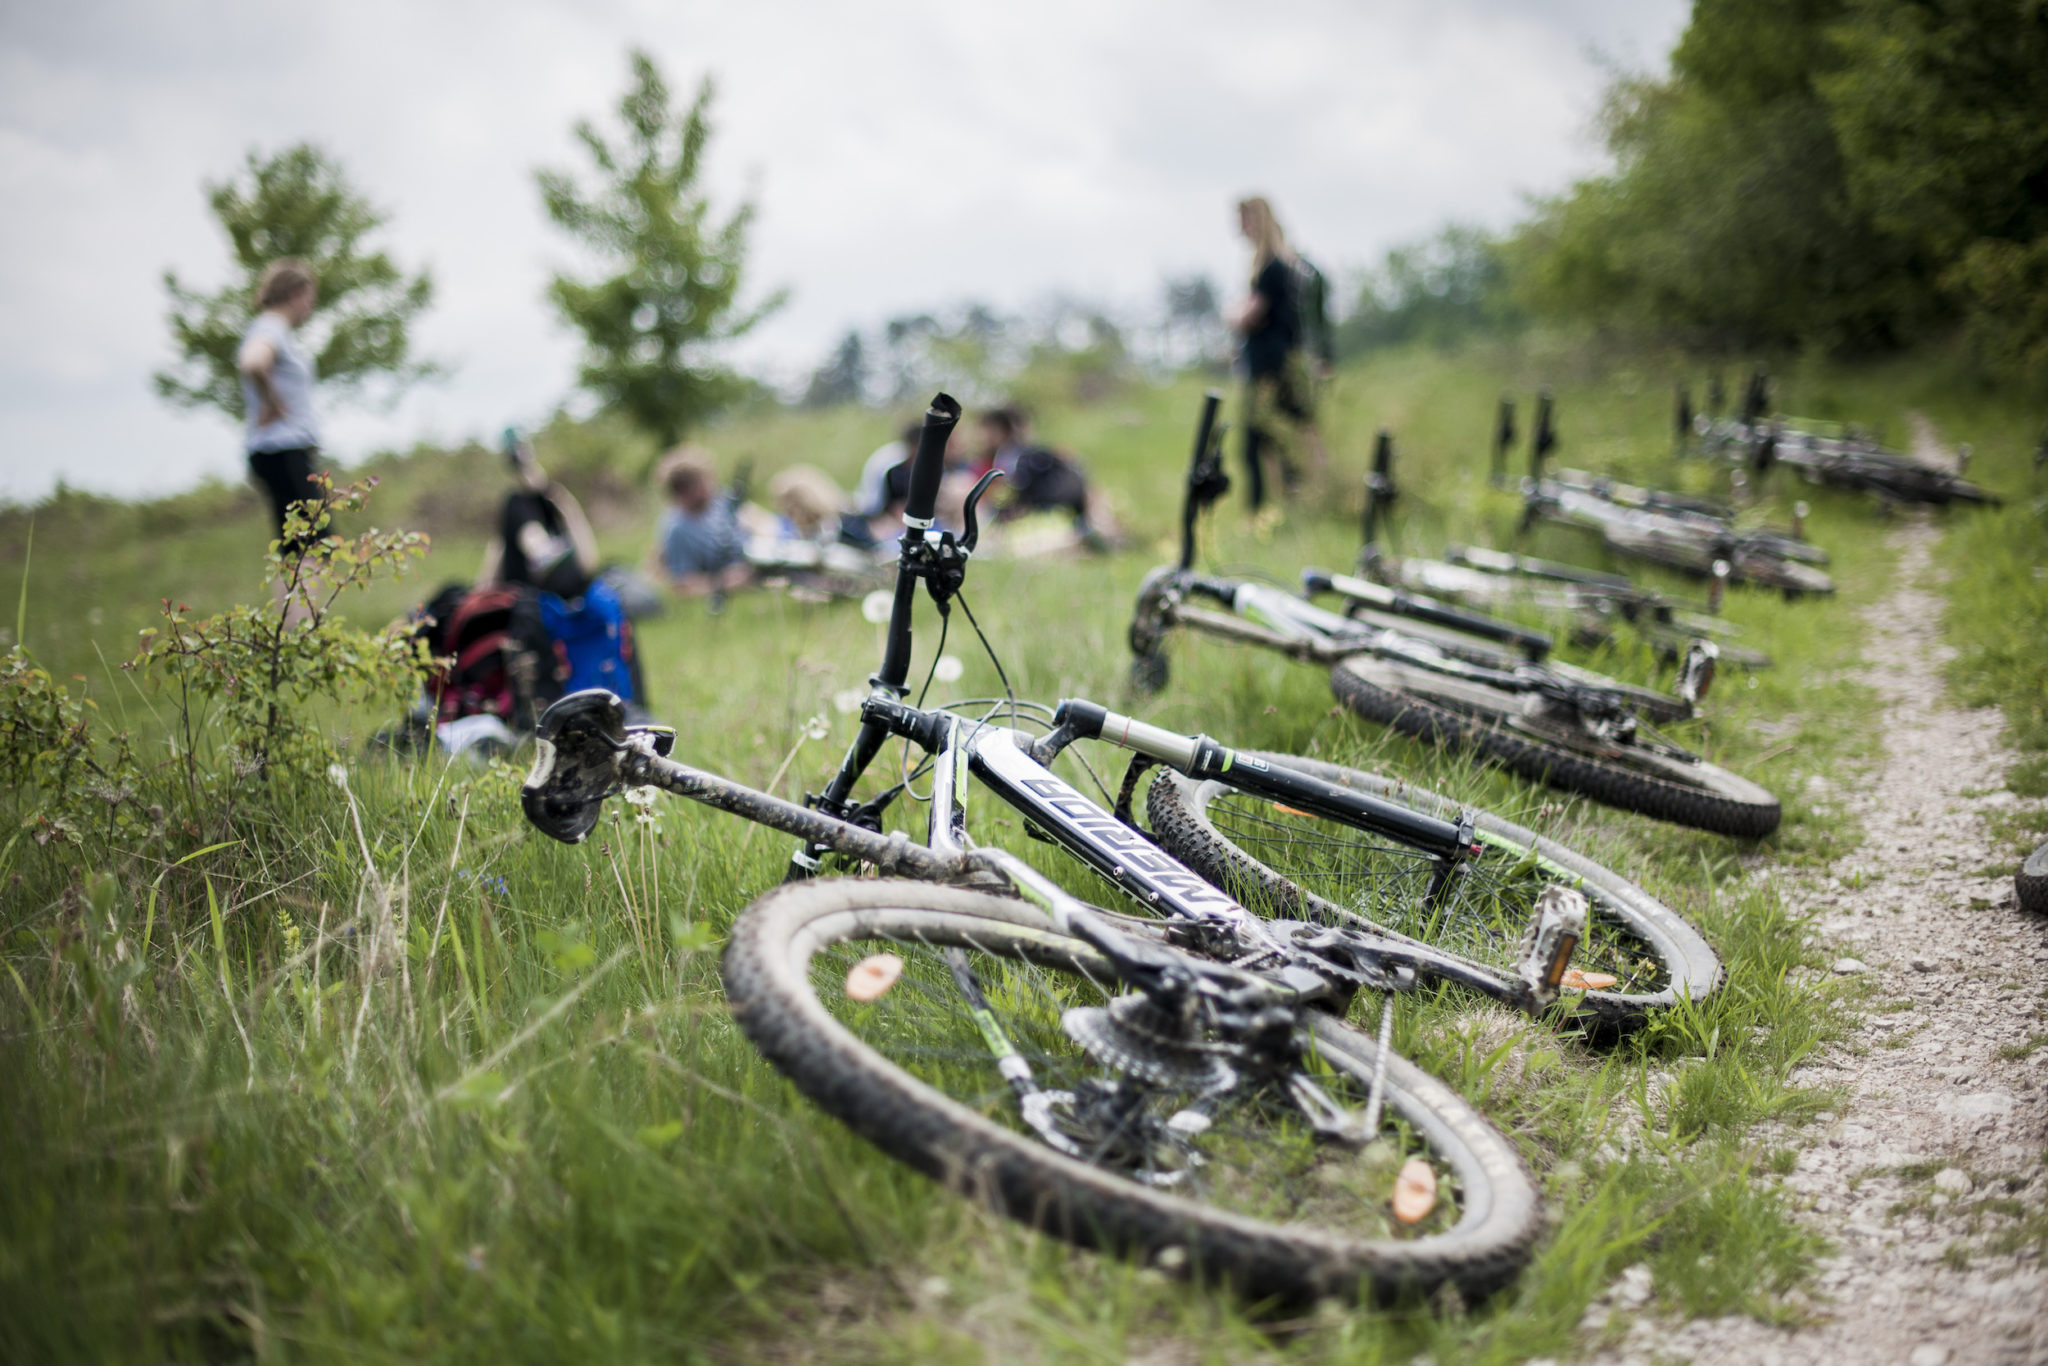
(245, 688)
(52, 750)
(256, 670)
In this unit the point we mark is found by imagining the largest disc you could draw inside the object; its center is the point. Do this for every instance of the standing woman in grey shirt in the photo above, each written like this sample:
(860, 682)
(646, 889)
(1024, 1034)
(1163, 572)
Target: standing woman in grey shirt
(283, 438)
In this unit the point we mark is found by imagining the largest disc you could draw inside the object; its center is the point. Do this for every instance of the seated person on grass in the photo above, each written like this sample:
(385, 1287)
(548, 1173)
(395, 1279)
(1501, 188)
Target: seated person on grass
(811, 507)
(699, 548)
(544, 541)
(1039, 479)
(871, 494)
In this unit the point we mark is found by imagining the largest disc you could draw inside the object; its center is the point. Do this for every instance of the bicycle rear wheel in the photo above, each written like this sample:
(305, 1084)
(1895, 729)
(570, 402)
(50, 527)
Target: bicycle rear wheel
(1296, 865)
(1242, 1195)
(1469, 714)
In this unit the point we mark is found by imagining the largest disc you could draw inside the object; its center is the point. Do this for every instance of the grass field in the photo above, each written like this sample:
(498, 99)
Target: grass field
(391, 1077)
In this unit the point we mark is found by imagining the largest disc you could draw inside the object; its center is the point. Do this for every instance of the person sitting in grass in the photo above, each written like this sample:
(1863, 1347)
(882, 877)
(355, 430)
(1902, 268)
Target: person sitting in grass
(871, 494)
(543, 540)
(699, 548)
(812, 507)
(1039, 479)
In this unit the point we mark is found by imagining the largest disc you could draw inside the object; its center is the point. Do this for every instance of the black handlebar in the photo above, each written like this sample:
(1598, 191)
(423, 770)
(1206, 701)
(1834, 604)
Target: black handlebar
(1503, 441)
(1543, 440)
(927, 469)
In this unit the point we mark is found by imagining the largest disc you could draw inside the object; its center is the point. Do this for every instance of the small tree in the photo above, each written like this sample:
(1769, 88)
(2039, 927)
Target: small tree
(651, 327)
(297, 203)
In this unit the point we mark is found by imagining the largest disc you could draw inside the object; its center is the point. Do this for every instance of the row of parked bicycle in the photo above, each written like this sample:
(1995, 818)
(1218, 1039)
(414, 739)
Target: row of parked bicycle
(1201, 1073)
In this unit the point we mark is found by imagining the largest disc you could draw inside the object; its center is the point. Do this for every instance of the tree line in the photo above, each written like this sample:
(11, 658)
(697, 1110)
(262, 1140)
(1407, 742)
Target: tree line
(1846, 176)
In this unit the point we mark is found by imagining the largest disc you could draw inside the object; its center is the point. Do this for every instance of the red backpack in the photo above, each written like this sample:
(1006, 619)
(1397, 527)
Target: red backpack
(492, 654)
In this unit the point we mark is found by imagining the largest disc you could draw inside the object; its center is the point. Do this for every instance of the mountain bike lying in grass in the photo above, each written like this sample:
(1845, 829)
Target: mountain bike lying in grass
(1831, 453)
(1456, 678)
(1178, 1082)
(1600, 607)
(1692, 535)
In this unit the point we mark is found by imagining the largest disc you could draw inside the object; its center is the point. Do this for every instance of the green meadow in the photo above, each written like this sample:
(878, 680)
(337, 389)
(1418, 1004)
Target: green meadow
(371, 1071)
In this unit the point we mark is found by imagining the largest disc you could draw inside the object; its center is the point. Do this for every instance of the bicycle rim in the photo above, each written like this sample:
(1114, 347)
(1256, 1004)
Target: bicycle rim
(1454, 712)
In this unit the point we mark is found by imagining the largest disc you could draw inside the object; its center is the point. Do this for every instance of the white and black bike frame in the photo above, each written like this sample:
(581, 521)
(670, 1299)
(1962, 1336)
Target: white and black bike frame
(587, 754)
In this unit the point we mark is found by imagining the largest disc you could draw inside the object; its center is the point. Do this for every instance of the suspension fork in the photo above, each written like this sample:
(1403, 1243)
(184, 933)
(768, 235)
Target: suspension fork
(946, 831)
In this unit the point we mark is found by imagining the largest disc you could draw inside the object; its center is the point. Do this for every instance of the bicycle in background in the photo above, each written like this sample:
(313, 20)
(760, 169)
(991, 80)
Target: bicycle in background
(1459, 679)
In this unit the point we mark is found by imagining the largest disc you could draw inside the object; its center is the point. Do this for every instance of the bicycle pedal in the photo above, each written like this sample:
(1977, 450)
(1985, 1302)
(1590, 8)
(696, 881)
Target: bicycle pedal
(1554, 932)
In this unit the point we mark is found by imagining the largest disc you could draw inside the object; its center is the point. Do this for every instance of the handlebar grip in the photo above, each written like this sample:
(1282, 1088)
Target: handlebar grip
(929, 465)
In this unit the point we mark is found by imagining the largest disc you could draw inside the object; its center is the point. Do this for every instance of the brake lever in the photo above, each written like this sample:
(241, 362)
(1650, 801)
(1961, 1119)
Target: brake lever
(973, 536)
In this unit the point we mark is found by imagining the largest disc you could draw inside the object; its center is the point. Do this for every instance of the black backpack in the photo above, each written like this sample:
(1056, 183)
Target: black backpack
(1312, 293)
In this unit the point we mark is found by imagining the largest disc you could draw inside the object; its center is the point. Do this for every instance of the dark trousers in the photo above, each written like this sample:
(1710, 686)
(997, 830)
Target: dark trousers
(1277, 406)
(287, 478)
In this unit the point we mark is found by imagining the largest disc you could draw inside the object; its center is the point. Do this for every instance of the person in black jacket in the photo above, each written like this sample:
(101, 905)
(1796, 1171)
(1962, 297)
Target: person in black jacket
(1279, 415)
(544, 541)
(1039, 479)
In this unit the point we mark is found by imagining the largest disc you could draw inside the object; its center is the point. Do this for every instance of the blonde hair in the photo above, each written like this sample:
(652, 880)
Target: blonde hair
(807, 496)
(1269, 243)
(685, 470)
(282, 282)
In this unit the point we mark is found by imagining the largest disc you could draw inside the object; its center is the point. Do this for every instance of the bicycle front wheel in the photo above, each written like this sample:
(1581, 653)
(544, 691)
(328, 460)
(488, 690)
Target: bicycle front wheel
(1301, 866)
(1143, 1156)
(2030, 884)
(1670, 786)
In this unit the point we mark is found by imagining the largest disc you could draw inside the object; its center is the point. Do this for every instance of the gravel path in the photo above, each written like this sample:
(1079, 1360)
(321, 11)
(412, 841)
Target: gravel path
(1941, 1153)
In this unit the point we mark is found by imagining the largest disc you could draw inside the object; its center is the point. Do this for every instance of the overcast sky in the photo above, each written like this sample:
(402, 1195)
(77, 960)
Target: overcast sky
(904, 154)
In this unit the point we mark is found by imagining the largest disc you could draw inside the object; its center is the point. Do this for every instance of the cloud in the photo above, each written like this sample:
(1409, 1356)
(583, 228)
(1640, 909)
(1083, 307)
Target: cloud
(902, 153)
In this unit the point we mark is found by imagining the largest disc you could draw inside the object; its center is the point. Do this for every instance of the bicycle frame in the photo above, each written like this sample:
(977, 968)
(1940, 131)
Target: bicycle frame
(587, 754)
